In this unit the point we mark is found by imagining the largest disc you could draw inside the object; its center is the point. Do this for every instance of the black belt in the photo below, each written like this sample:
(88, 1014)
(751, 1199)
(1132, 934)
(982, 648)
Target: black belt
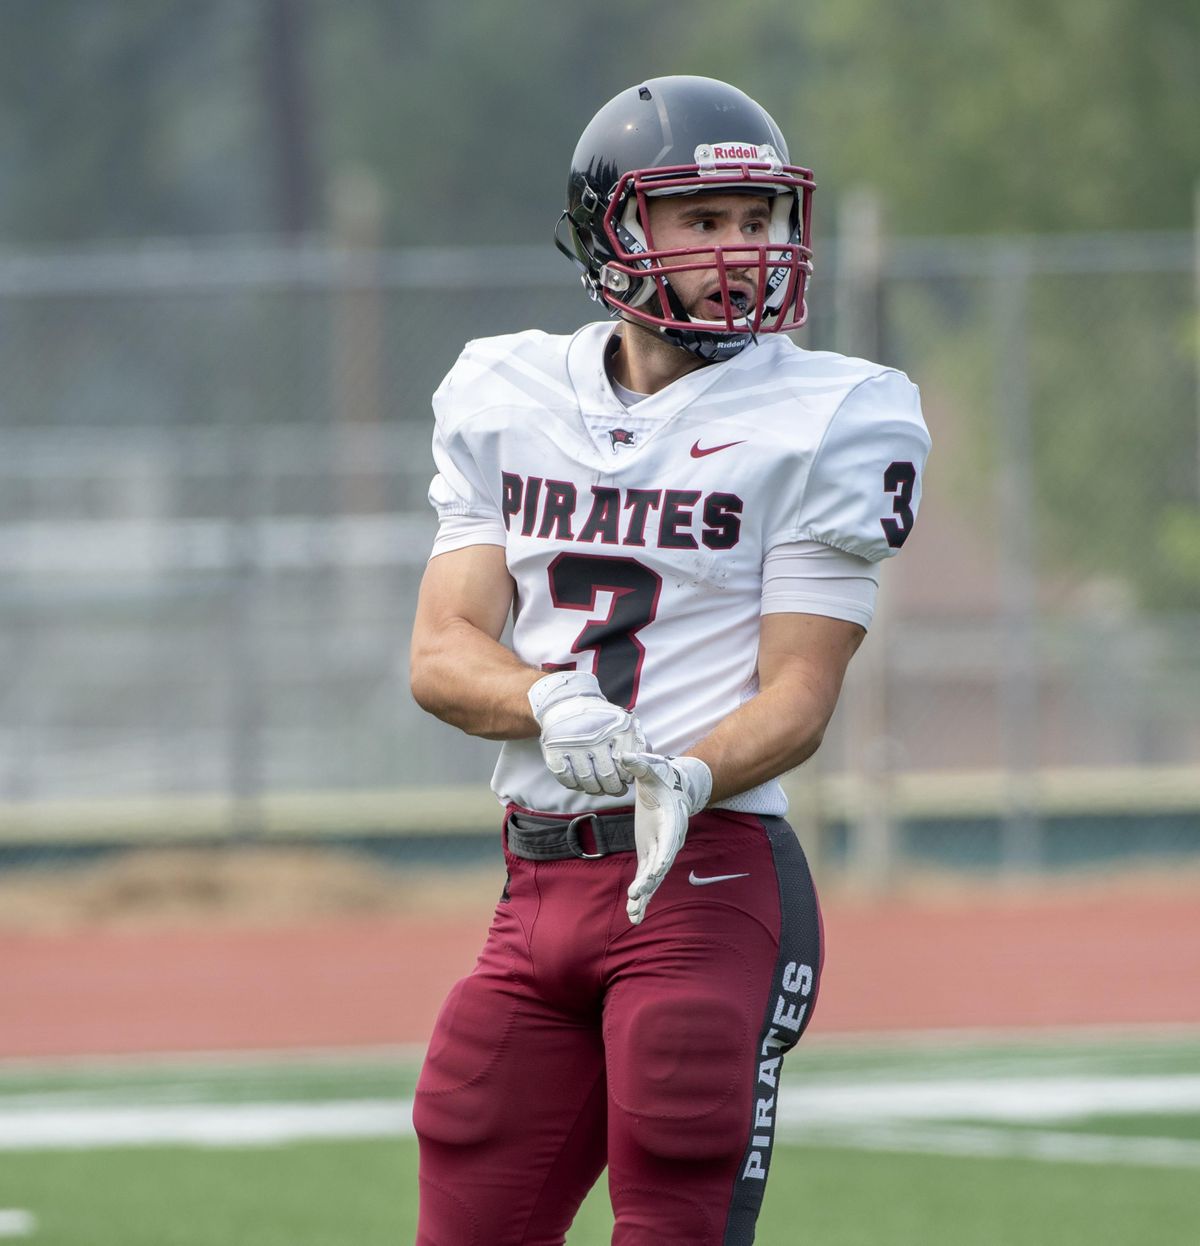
(552, 839)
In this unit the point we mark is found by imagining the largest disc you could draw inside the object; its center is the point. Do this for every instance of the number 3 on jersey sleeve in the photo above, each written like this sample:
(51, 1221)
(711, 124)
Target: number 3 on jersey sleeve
(576, 581)
(900, 478)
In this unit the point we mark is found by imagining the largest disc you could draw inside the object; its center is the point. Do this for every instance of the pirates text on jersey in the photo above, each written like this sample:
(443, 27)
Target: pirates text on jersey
(559, 510)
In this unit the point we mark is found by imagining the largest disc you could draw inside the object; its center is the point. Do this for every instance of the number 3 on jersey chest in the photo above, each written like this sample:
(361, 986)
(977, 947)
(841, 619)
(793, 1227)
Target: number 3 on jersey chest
(577, 581)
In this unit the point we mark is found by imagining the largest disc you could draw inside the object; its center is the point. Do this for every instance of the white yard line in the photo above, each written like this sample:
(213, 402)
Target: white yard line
(1001, 1143)
(207, 1125)
(17, 1223)
(1028, 1099)
(908, 1115)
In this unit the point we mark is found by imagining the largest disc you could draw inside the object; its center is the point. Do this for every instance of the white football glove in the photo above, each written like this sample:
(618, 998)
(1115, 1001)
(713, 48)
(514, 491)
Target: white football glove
(669, 791)
(582, 733)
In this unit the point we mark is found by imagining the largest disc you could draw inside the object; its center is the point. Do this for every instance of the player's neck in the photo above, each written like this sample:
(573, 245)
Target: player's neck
(645, 363)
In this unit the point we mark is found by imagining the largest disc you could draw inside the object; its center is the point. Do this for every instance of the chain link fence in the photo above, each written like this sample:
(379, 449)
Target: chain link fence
(213, 463)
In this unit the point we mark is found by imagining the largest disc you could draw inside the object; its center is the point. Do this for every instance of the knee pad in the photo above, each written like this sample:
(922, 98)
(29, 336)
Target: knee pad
(445, 1218)
(649, 1215)
(679, 1068)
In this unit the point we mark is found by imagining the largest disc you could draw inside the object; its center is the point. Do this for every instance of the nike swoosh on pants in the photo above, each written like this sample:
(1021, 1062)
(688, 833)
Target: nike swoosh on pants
(697, 881)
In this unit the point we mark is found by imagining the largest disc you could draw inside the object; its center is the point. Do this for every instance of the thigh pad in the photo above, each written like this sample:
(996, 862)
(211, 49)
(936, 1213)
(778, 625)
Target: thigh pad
(680, 1061)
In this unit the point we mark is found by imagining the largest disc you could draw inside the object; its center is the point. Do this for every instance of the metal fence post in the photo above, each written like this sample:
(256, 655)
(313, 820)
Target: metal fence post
(1196, 317)
(18, 629)
(1021, 847)
(872, 847)
(245, 755)
(357, 324)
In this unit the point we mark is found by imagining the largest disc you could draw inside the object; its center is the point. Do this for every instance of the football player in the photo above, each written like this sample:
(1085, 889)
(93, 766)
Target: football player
(683, 513)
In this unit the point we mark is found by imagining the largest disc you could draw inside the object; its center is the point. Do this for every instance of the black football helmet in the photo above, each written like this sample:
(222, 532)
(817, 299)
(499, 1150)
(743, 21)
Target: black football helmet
(680, 136)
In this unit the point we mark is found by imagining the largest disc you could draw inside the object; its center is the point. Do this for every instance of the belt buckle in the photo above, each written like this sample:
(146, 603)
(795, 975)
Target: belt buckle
(572, 837)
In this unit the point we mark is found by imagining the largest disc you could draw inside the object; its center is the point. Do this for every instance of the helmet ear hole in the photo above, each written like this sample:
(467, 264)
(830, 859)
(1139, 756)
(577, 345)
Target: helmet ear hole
(632, 236)
(643, 293)
(633, 291)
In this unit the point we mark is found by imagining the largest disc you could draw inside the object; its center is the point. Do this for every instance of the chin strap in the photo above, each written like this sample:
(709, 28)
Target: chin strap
(704, 344)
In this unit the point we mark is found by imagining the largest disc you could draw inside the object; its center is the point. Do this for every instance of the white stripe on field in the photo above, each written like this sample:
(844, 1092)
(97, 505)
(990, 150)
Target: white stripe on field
(16, 1223)
(1002, 1099)
(217, 1125)
(1000, 1143)
(869, 1112)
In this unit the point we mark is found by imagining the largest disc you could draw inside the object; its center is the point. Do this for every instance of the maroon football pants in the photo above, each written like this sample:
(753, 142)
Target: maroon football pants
(580, 1040)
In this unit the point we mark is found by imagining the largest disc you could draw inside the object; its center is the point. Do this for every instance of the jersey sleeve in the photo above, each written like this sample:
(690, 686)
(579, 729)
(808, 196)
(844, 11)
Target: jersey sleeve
(806, 577)
(863, 487)
(468, 513)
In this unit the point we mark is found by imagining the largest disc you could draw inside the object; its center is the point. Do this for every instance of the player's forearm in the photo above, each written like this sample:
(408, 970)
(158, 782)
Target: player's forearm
(770, 734)
(473, 682)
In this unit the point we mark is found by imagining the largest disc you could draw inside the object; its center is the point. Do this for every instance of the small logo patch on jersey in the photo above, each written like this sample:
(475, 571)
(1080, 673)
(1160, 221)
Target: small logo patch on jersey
(697, 881)
(698, 453)
(620, 437)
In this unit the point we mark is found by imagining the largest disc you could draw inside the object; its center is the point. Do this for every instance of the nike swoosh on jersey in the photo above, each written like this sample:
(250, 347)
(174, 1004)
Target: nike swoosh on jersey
(698, 453)
(697, 881)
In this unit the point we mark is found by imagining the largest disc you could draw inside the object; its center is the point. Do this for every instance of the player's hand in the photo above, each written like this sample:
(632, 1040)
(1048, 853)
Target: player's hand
(583, 734)
(669, 791)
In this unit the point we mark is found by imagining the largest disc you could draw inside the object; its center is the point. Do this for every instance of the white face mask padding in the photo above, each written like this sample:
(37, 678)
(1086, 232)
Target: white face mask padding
(779, 232)
(629, 220)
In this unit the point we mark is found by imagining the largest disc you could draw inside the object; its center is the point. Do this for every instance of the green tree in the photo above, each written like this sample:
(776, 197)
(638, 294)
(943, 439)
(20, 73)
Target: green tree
(156, 116)
(1012, 117)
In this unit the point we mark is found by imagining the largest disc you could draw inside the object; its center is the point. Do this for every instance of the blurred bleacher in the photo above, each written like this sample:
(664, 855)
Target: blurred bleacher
(213, 463)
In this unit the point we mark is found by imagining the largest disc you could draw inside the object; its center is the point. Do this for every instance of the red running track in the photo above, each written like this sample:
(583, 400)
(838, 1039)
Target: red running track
(993, 962)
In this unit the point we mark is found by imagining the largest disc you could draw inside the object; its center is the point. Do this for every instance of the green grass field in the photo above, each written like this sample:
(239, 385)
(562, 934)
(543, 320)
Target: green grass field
(913, 1143)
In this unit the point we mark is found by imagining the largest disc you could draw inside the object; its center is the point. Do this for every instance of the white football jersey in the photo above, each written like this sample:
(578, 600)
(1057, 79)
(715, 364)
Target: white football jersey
(636, 536)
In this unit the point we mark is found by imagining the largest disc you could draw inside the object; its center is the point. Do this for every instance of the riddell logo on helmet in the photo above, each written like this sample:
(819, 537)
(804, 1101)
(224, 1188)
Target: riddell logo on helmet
(711, 153)
(734, 151)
